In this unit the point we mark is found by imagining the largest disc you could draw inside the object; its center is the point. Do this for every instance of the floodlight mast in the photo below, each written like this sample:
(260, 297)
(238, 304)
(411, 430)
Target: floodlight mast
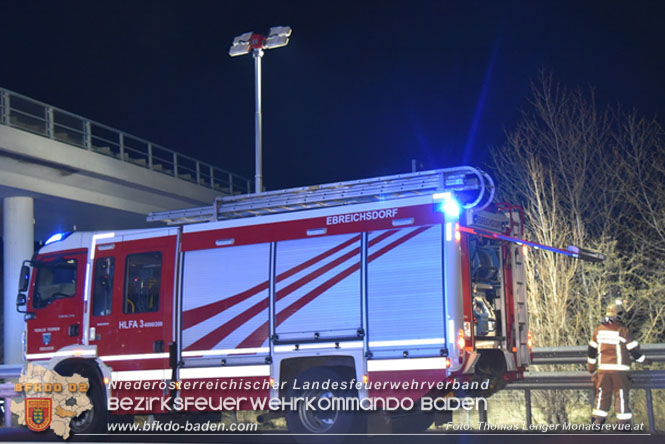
(277, 37)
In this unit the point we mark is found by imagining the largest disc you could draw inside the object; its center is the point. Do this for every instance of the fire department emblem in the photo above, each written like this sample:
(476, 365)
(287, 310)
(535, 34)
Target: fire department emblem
(38, 413)
(46, 338)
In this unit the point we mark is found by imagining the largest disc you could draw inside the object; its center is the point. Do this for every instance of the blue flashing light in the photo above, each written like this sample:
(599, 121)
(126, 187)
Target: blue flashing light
(57, 237)
(451, 208)
(449, 205)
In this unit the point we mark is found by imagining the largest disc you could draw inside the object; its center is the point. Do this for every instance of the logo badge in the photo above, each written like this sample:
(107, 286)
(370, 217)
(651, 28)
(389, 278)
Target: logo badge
(46, 338)
(38, 413)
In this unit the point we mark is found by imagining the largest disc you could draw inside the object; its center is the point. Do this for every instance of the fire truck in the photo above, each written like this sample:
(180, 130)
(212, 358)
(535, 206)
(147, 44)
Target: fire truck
(407, 278)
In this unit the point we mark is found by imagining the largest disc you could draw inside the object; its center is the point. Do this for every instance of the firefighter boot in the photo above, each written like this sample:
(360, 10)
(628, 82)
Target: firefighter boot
(598, 420)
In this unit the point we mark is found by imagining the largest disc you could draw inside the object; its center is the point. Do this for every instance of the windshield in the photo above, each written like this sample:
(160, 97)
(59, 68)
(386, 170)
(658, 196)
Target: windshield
(55, 280)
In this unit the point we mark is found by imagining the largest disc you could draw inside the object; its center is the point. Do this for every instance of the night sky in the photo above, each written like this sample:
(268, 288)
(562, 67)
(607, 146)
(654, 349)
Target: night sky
(362, 88)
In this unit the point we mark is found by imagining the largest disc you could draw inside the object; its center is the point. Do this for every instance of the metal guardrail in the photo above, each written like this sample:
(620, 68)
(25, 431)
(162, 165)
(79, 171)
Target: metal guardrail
(571, 380)
(654, 379)
(10, 371)
(31, 115)
(646, 380)
(577, 354)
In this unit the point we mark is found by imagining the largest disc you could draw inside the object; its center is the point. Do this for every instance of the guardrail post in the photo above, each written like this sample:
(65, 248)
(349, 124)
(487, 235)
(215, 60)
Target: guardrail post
(149, 155)
(121, 144)
(652, 424)
(4, 107)
(527, 398)
(249, 186)
(212, 178)
(230, 184)
(48, 117)
(87, 135)
(482, 414)
(175, 164)
(198, 173)
(8, 412)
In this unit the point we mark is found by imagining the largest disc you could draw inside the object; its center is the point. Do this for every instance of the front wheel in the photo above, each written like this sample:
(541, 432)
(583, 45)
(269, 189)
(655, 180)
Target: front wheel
(95, 419)
(316, 417)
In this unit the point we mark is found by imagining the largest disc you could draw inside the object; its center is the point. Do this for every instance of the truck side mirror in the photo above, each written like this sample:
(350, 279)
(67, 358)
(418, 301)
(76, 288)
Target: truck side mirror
(24, 278)
(21, 300)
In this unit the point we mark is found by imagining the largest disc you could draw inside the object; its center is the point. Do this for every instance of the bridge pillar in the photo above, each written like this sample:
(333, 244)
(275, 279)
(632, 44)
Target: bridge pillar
(18, 245)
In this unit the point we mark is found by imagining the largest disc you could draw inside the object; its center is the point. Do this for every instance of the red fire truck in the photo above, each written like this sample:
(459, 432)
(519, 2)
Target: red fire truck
(407, 278)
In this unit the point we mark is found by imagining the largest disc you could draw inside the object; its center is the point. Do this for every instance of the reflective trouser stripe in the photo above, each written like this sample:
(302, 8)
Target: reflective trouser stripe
(613, 367)
(623, 406)
(598, 412)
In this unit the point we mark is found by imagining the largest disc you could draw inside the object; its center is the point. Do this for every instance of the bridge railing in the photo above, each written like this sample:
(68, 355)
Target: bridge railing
(31, 115)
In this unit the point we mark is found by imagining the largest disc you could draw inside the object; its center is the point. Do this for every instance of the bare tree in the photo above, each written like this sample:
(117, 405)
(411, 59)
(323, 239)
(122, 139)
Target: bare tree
(590, 177)
(640, 146)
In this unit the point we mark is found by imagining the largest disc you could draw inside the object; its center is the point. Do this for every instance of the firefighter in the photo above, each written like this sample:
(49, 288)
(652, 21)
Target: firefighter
(609, 364)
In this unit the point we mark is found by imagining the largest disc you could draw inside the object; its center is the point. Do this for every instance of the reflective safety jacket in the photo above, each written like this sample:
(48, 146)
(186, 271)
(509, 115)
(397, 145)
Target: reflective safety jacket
(610, 346)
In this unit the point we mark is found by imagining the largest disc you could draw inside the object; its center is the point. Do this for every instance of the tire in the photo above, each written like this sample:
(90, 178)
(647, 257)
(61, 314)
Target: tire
(491, 366)
(325, 423)
(95, 419)
(121, 419)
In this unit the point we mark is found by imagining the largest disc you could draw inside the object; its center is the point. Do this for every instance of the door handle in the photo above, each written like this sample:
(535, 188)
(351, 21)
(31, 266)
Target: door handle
(73, 330)
(93, 336)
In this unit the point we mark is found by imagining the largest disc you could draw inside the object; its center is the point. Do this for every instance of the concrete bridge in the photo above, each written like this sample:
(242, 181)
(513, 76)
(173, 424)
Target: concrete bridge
(60, 172)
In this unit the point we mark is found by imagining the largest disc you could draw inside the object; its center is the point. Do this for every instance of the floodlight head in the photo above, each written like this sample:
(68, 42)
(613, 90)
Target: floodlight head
(278, 37)
(241, 44)
(281, 31)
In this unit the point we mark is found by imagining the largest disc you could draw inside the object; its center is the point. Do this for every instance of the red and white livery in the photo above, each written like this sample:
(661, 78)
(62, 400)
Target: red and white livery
(414, 277)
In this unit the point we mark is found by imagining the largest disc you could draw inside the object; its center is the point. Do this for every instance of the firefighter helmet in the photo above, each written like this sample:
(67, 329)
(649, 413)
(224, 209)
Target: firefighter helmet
(615, 310)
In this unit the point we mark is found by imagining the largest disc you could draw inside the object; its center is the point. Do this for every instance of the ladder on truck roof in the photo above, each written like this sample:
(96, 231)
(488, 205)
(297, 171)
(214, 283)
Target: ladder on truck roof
(457, 179)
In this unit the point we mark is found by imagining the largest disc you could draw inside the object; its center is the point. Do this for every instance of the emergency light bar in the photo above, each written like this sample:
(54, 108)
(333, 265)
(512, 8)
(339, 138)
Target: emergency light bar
(57, 237)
